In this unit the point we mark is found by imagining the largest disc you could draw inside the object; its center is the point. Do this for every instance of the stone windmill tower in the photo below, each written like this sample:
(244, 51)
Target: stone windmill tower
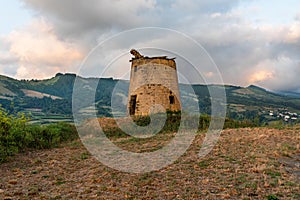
(153, 85)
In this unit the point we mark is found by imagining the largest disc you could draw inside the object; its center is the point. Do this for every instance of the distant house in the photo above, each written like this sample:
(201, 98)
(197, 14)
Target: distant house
(286, 118)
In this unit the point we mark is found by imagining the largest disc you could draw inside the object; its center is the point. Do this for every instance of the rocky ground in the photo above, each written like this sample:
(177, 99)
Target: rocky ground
(248, 163)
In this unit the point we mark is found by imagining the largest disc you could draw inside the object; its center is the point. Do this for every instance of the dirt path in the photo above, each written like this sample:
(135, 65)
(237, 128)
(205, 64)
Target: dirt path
(245, 164)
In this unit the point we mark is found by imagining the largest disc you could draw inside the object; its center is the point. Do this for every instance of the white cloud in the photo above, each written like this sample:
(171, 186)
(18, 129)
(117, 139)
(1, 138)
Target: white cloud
(276, 74)
(39, 53)
(260, 76)
(297, 17)
(76, 19)
(293, 33)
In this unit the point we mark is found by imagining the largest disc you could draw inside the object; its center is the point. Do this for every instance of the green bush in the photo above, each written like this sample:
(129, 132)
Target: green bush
(43, 137)
(204, 122)
(175, 120)
(171, 125)
(231, 123)
(12, 134)
(16, 135)
(272, 197)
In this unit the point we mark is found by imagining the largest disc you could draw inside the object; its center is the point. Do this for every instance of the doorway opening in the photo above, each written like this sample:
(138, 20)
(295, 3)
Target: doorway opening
(132, 104)
(172, 99)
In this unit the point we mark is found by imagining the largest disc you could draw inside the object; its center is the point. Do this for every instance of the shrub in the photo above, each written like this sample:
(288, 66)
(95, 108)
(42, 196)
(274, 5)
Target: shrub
(272, 197)
(48, 136)
(12, 134)
(16, 135)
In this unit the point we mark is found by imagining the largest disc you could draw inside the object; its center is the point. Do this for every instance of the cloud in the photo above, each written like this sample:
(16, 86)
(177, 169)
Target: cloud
(297, 17)
(246, 52)
(260, 76)
(75, 19)
(39, 53)
(293, 33)
(277, 74)
(212, 6)
(8, 62)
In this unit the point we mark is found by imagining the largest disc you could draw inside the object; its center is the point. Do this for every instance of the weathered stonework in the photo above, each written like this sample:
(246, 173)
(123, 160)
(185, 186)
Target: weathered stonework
(153, 81)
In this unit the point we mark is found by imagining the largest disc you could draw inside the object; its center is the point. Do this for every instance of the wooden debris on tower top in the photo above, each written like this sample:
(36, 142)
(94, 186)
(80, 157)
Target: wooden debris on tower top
(137, 55)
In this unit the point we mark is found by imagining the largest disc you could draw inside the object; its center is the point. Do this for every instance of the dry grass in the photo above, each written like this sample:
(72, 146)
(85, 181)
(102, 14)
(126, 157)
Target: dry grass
(31, 93)
(5, 91)
(245, 164)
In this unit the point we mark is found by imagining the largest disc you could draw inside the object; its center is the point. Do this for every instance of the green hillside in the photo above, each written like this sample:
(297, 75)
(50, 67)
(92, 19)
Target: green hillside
(51, 99)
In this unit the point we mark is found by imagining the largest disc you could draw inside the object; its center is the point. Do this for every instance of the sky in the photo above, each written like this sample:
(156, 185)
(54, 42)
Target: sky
(250, 41)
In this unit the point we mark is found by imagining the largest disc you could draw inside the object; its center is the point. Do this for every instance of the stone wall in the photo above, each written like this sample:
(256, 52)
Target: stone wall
(153, 82)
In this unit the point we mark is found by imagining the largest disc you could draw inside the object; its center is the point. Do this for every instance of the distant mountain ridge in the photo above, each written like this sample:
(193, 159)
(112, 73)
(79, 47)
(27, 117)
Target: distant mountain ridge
(288, 93)
(54, 96)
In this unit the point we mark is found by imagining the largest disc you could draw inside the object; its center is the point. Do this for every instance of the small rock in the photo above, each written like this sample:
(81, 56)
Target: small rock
(19, 175)
(1, 191)
(7, 198)
(13, 182)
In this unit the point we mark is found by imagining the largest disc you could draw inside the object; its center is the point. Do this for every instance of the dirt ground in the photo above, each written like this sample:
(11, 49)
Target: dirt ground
(248, 163)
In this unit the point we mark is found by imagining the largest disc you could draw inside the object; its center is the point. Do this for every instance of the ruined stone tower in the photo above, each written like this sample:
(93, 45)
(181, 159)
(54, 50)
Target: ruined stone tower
(153, 82)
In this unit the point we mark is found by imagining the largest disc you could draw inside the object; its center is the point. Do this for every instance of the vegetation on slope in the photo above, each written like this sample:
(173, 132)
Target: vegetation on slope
(16, 135)
(243, 103)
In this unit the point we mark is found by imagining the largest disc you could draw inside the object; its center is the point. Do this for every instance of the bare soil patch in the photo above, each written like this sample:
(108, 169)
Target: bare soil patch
(248, 163)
